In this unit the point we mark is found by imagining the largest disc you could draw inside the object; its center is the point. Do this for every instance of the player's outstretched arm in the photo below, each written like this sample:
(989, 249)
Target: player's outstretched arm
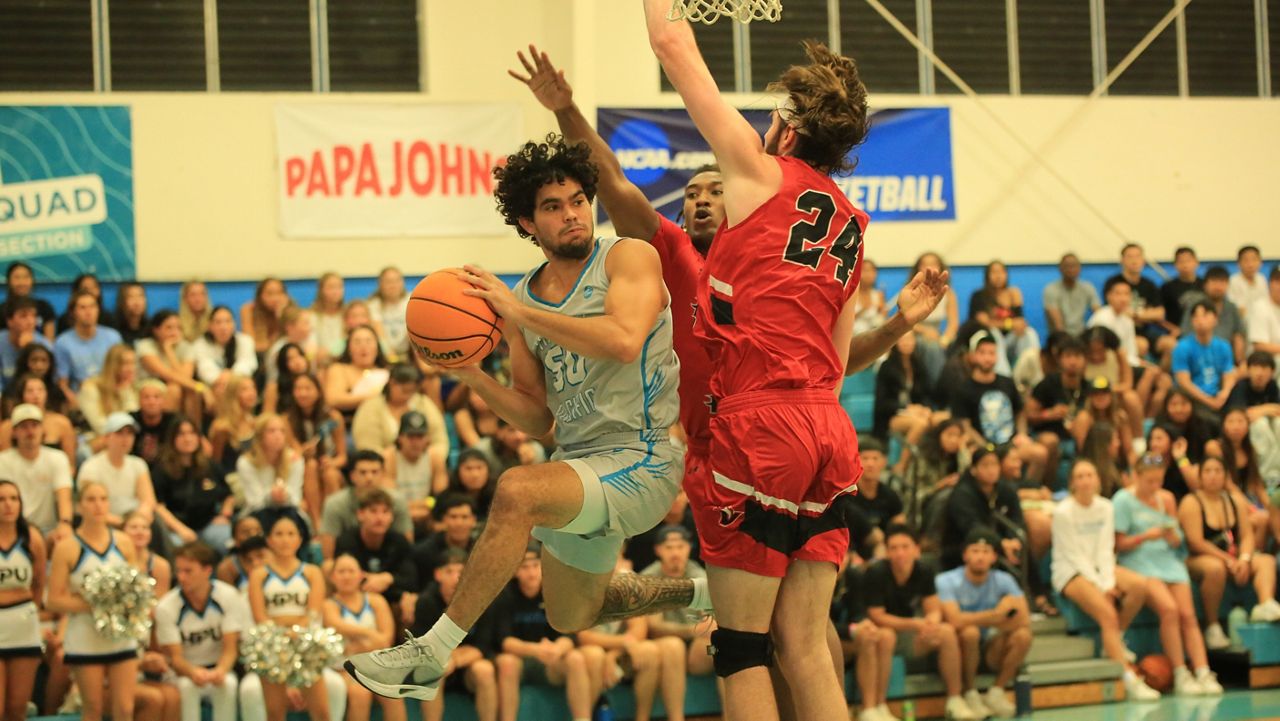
(636, 296)
(916, 301)
(626, 205)
(751, 176)
(524, 404)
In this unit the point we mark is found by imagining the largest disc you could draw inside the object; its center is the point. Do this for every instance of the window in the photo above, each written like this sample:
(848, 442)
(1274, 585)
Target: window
(1222, 49)
(264, 44)
(373, 45)
(1055, 47)
(1273, 26)
(777, 46)
(716, 44)
(887, 62)
(157, 45)
(46, 45)
(972, 37)
(1155, 72)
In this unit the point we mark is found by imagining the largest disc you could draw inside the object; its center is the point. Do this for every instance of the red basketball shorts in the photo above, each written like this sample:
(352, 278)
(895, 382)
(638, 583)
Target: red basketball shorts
(778, 461)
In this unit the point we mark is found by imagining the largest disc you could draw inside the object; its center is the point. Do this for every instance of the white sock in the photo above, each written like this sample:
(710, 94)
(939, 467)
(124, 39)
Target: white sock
(701, 594)
(1202, 672)
(443, 637)
(1130, 676)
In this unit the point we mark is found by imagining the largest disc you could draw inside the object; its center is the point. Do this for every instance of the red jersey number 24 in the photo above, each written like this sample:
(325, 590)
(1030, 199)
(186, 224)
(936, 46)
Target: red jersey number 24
(810, 239)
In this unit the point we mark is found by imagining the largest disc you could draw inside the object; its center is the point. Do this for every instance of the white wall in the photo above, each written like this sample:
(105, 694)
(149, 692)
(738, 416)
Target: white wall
(1163, 172)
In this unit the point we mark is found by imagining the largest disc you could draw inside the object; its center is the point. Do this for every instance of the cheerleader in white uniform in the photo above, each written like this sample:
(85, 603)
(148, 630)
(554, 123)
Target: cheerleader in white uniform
(95, 660)
(156, 697)
(365, 621)
(285, 591)
(22, 567)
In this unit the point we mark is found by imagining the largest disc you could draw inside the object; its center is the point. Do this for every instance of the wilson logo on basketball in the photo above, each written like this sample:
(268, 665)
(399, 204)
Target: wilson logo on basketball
(447, 355)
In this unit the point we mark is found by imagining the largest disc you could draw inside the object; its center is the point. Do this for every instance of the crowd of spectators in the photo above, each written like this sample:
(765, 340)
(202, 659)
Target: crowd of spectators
(1138, 447)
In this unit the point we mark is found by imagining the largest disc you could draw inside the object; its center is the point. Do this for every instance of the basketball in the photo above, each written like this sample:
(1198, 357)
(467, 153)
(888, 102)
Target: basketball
(1157, 672)
(451, 328)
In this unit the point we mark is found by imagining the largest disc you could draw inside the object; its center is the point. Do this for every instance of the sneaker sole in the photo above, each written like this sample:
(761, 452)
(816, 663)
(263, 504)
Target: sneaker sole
(422, 693)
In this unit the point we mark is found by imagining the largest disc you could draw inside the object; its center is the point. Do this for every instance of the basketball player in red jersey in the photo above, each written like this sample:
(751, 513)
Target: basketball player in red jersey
(775, 316)
(683, 249)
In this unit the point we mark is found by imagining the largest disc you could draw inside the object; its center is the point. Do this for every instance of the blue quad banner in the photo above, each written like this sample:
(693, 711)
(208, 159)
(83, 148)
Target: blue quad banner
(903, 169)
(66, 191)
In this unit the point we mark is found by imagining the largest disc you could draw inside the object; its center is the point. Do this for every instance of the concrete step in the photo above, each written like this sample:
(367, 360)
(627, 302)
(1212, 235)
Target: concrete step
(1051, 673)
(1048, 625)
(1059, 647)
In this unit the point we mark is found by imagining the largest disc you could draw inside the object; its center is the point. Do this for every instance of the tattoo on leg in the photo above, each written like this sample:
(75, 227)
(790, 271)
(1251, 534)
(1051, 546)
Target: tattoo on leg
(630, 594)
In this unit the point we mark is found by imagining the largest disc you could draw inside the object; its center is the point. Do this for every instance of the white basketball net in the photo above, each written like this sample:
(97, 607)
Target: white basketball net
(708, 11)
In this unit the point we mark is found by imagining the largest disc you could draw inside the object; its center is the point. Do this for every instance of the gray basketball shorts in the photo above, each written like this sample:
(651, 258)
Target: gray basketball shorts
(629, 482)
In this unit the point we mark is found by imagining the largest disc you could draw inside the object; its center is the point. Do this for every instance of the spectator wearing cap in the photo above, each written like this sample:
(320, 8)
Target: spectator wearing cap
(376, 424)
(1258, 395)
(1149, 542)
(1231, 326)
(455, 515)
(125, 476)
(384, 555)
(415, 467)
(81, 349)
(901, 601)
(58, 431)
(339, 513)
(1264, 317)
(1203, 364)
(42, 474)
(982, 499)
(678, 635)
(987, 608)
(1069, 299)
(875, 500)
(991, 407)
(20, 331)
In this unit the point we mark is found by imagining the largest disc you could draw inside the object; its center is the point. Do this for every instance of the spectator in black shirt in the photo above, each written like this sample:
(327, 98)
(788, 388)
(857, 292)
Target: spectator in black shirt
(901, 599)
(457, 513)
(879, 504)
(902, 400)
(1187, 281)
(1146, 304)
(531, 651)
(1055, 401)
(470, 669)
(193, 500)
(1258, 395)
(981, 498)
(385, 555)
(21, 283)
(153, 420)
(991, 407)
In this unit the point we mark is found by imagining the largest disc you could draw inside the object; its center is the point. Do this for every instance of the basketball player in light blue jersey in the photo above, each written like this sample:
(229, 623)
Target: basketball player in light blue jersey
(591, 356)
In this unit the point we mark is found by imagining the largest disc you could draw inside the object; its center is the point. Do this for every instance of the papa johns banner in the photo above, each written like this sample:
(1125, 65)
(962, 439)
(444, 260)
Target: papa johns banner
(903, 172)
(66, 191)
(361, 171)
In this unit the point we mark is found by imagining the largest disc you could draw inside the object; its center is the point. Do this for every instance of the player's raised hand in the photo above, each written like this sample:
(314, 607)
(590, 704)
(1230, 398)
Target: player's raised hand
(544, 79)
(925, 291)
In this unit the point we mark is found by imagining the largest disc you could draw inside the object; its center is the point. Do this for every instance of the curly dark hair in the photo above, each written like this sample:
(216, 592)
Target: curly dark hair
(829, 105)
(535, 165)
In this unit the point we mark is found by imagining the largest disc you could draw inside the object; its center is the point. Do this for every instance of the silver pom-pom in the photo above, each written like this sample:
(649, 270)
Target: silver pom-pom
(293, 656)
(122, 598)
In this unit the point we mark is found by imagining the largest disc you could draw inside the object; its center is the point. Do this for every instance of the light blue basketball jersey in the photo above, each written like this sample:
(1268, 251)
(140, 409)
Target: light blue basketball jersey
(594, 397)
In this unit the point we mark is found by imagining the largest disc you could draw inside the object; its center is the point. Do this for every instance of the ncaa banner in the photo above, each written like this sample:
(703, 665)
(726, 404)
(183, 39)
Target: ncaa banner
(374, 171)
(66, 191)
(903, 172)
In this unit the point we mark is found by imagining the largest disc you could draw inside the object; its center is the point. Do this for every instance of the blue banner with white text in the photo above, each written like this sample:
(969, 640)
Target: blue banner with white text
(903, 173)
(66, 191)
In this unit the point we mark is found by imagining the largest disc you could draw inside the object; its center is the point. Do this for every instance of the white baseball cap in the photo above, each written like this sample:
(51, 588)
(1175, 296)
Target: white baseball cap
(118, 421)
(26, 412)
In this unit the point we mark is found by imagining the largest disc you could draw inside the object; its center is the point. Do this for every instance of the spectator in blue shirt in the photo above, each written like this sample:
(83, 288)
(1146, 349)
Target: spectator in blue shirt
(80, 349)
(1204, 364)
(988, 608)
(22, 329)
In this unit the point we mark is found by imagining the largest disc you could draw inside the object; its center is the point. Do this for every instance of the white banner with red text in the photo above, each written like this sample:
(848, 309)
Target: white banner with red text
(376, 171)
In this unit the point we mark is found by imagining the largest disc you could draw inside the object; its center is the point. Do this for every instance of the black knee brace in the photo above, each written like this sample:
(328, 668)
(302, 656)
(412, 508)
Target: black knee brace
(733, 651)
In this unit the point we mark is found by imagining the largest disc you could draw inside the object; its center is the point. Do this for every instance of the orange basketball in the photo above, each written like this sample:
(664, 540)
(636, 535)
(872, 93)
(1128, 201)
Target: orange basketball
(1157, 672)
(452, 329)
